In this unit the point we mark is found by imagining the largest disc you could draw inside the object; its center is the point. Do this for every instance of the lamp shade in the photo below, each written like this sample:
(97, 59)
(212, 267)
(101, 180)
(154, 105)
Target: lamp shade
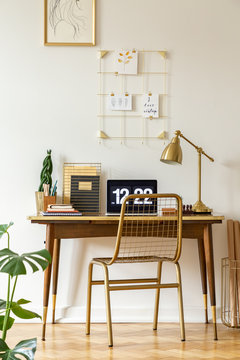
(172, 154)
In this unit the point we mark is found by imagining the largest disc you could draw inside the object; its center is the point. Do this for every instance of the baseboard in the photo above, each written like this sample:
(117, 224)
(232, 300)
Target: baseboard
(77, 314)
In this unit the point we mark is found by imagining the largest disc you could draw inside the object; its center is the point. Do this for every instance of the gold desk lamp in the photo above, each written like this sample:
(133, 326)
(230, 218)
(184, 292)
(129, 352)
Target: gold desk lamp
(172, 154)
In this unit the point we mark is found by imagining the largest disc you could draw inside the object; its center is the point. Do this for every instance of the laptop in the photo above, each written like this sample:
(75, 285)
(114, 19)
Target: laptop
(117, 190)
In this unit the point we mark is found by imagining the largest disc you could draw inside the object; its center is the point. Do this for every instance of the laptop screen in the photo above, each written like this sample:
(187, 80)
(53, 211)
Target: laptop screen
(117, 190)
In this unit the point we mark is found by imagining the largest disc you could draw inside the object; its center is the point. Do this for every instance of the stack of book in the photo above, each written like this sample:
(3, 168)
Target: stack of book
(61, 210)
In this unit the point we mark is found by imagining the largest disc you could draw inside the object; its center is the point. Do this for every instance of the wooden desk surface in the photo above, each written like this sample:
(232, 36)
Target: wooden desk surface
(68, 227)
(105, 218)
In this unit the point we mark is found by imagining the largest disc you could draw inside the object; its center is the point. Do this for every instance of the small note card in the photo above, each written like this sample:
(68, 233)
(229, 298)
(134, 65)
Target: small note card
(126, 61)
(120, 102)
(150, 106)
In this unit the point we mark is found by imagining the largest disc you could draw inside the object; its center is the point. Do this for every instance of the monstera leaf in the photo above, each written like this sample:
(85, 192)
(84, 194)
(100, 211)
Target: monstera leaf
(14, 264)
(25, 348)
(4, 228)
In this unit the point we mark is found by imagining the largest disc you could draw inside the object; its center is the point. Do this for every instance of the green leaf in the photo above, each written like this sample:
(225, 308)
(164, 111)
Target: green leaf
(23, 301)
(10, 224)
(4, 228)
(41, 262)
(23, 313)
(13, 264)
(2, 304)
(33, 266)
(6, 251)
(18, 309)
(4, 260)
(3, 346)
(25, 348)
(9, 322)
(41, 253)
(14, 267)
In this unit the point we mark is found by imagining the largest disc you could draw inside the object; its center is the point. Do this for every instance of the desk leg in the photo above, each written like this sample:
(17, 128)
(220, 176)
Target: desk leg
(56, 252)
(202, 262)
(208, 246)
(47, 276)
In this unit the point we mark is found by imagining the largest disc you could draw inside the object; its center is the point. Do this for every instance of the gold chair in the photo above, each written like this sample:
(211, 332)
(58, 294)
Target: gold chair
(149, 230)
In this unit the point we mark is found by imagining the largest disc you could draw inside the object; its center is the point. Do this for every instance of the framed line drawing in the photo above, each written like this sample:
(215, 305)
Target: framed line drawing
(69, 22)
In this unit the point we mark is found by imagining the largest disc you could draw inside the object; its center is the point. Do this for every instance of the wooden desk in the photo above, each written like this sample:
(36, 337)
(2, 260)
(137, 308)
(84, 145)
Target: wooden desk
(65, 227)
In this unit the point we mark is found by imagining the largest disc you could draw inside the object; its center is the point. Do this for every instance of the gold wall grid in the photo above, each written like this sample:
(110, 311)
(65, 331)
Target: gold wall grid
(152, 78)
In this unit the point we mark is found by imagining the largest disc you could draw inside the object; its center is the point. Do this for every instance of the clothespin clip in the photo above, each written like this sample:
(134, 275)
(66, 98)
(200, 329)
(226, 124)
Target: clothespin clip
(126, 93)
(149, 94)
(112, 94)
(150, 117)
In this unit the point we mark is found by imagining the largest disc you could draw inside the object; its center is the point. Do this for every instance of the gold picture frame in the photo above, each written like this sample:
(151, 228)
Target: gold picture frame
(69, 22)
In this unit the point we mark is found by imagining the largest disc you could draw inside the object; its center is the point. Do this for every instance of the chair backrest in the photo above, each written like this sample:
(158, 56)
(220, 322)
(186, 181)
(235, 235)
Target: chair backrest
(150, 229)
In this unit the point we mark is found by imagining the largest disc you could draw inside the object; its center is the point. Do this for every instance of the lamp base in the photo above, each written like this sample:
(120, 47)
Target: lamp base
(200, 207)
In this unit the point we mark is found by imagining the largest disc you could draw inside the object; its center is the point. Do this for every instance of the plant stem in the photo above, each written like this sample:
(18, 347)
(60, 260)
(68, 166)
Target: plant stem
(7, 313)
(14, 287)
(6, 317)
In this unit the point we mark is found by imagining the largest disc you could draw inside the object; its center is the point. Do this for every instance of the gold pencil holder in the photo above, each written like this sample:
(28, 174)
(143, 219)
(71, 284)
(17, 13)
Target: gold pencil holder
(48, 200)
(39, 196)
(230, 293)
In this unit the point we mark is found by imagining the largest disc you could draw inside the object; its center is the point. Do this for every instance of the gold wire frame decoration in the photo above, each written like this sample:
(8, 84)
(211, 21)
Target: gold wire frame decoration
(81, 186)
(69, 22)
(151, 78)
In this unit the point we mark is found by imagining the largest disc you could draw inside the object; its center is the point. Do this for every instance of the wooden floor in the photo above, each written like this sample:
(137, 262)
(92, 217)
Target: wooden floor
(131, 341)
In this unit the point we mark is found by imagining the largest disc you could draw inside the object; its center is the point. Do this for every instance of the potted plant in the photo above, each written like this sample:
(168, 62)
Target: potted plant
(45, 179)
(46, 173)
(14, 265)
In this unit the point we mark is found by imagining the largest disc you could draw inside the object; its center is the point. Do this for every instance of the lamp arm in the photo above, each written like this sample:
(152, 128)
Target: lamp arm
(200, 150)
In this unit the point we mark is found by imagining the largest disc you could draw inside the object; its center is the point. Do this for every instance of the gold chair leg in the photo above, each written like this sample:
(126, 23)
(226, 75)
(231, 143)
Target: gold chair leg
(180, 302)
(89, 297)
(108, 307)
(157, 296)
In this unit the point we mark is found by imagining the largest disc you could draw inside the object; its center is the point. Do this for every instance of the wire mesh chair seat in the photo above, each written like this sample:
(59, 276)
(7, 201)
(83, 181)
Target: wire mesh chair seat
(121, 260)
(153, 233)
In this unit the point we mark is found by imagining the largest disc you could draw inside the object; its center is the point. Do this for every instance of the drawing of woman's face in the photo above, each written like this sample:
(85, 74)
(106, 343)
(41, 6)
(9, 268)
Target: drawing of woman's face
(79, 4)
(69, 12)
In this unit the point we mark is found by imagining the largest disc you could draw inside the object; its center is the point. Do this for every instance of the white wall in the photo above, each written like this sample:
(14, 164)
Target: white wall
(48, 100)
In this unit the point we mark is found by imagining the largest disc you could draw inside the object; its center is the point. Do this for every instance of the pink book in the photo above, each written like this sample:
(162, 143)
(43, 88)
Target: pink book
(62, 210)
